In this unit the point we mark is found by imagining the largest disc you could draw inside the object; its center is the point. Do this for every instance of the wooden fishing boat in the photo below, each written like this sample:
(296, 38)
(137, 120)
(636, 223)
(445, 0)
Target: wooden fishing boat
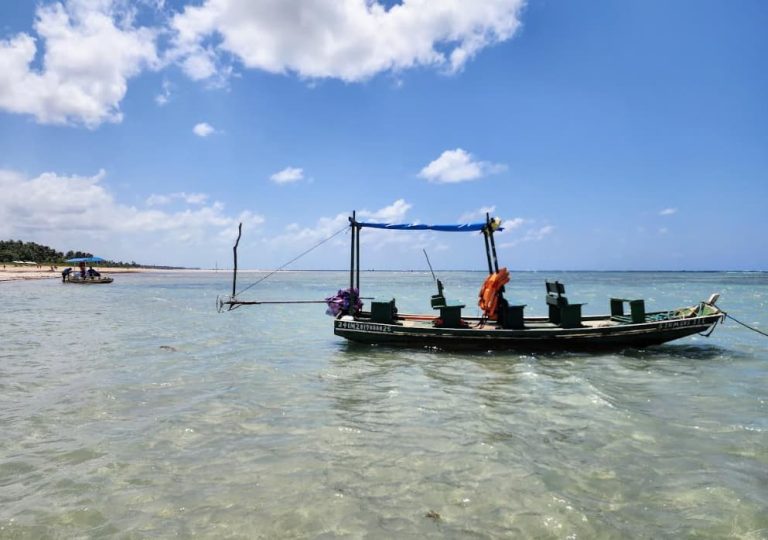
(83, 276)
(504, 326)
(78, 280)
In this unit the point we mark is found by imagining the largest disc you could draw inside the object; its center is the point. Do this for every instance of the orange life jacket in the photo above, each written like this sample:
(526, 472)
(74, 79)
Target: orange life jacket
(491, 291)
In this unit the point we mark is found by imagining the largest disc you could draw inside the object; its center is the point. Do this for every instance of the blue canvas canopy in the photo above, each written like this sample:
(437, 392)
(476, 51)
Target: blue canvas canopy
(464, 227)
(86, 260)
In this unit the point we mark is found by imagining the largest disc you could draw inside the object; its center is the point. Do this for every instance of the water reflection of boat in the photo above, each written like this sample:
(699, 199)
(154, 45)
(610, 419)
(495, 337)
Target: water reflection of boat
(504, 326)
(83, 276)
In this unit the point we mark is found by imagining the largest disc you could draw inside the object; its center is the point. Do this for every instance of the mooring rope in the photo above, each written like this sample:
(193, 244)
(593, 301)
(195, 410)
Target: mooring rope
(296, 258)
(745, 325)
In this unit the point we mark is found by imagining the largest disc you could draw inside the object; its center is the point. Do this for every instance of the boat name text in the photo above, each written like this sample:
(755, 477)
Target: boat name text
(680, 323)
(365, 327)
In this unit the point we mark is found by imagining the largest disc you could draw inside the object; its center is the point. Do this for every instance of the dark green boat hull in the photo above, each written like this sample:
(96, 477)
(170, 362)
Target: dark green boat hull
(534, 337)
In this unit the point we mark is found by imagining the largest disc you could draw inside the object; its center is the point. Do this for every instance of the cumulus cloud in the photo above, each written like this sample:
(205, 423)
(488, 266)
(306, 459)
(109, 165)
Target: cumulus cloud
(394, 213)
(668, 212)
(327, 226)
(165, 94)
(74, 66)
(508, 225)
(88, 50)
(531, 235)
(478, 214)
(70, 211)
(538, 234)
(458, 165)
(203, 129)
(350, 40)
(189, 198)
(288, 175)
(515, 223)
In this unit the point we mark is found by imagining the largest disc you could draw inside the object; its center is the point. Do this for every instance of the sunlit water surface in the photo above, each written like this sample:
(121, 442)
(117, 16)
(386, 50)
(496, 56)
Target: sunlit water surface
(135, 410)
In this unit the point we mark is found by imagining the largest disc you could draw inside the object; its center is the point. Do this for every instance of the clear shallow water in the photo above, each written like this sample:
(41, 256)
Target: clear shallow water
(134, 410)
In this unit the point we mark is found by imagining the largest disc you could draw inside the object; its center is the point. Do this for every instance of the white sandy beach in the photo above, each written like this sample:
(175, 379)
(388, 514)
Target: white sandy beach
(10, 272)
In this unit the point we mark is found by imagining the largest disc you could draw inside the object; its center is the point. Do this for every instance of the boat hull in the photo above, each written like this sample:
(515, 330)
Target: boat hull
(89, 281)
(535, 336)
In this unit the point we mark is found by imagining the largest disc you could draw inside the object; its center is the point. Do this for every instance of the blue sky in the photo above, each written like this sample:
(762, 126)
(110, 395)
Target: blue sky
(607, 135)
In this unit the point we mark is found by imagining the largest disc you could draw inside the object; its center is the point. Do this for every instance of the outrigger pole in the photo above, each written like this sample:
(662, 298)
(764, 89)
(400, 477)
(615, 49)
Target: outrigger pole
(437, 281)
(232, 302)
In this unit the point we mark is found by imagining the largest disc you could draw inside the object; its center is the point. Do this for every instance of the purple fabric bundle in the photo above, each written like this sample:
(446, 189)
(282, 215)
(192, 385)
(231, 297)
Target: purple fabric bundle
(342, 302)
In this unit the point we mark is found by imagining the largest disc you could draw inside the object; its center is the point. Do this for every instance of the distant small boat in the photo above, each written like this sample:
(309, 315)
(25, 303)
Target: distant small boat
(88, 280)
(83, 276)
(503, 326)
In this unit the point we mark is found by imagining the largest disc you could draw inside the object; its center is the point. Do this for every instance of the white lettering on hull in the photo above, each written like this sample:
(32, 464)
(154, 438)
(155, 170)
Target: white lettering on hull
(681, 323)
(364, 327)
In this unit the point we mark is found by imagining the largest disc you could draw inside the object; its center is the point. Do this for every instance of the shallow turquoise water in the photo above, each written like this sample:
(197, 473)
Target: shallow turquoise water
(135, 410)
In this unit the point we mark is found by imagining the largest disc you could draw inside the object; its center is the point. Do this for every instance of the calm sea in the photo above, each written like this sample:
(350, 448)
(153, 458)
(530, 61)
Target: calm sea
(135, 410)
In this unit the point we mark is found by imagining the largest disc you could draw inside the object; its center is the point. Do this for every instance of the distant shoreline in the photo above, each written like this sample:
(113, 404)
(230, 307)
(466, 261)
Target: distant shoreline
(22, 273)
(25, 273)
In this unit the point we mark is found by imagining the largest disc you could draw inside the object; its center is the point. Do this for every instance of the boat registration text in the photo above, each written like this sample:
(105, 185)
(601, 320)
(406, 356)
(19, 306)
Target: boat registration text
(680, 323)
(364, 327)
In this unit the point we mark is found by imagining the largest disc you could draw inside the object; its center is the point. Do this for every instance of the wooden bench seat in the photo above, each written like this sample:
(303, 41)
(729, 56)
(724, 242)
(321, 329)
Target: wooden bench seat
(636, 310)
(562, 312)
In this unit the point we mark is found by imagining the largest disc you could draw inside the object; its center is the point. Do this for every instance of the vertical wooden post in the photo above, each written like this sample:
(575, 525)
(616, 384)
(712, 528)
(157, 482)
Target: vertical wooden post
(493, 249)
(234, 250)
(353, 224)
(357, 262)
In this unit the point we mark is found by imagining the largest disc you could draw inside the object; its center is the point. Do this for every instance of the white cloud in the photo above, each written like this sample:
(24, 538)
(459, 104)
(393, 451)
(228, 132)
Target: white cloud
(74, 211)
(668, 212)
(394, 213)
(538, 234)
(455, 166)
(288, 175)
(515, 223)
(327, 226)
(531, 235)
(165, 94)
(189, 198)
(350, 40)
(158, 200)
(90, 49)
(75, 65)
(203, 129)
(479, 214)
(194, 198)
(508, 225)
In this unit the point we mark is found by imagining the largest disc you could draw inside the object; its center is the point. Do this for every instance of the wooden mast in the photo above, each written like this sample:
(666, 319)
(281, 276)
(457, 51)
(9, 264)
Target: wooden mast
(234, 250)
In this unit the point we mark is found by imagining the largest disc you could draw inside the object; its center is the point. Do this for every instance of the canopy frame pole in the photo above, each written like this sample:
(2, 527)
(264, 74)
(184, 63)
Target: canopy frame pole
(486, 233)
(357, 261)
(493, 242)
(354, 262)
(352, 251)
(488, 252)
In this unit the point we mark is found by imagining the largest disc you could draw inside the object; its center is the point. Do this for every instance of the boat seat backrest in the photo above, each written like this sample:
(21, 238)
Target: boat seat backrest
(556, 294)
(561, 312)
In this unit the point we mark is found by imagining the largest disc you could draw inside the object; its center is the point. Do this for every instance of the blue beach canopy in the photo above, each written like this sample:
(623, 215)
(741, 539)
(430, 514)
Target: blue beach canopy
(86, 260)
(464, 227)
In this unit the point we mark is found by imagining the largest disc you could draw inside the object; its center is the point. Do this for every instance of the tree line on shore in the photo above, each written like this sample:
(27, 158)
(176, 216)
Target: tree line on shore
(16, 250)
